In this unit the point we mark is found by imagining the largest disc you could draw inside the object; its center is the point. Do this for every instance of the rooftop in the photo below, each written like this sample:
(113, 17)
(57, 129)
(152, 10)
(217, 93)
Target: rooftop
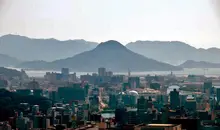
(161, 125)
(156, 125)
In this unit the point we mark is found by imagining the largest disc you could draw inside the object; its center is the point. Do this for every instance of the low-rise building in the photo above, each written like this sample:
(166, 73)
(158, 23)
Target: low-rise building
(158, 127)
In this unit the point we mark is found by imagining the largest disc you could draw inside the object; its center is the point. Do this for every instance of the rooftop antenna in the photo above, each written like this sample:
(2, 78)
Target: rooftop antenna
(129, 72)
(205, 69)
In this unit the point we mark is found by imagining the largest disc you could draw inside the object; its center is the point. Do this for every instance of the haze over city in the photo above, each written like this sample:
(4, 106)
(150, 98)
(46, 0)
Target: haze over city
(109, 65)
(195, 22)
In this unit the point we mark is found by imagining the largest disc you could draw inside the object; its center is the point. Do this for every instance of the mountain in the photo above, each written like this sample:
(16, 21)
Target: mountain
(111, 55)
(28, 49)
(11, 72)
(174, 52)
(38, 64)
(199, 64)
(6, 61)
(171, 52)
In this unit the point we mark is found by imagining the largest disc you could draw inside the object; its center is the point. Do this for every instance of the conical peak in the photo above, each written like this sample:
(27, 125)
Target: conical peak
(111, 44)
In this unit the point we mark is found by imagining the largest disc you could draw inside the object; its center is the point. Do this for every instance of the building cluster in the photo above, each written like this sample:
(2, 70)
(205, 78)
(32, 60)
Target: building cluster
(63, 76)
(122, 102)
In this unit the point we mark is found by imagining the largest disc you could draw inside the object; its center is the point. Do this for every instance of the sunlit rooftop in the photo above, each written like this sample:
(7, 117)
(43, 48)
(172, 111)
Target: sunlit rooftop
(160, 125)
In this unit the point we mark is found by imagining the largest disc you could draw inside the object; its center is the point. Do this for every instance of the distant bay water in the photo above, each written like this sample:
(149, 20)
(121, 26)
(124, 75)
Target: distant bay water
(211, 72)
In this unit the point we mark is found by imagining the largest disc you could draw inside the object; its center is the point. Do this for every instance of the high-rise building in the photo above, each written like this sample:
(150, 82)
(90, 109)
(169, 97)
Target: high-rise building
(112, 101)
(134, 82)
(39, 121)
(80, 113)
(162, 99)
(33, 85)
(94, 103)
(109, 73)
(155, 86)
(141, 109)
(86, 89)
(120, 115)
(95, 91)
(129, 100)
(218, 94)
(125, 86)
(102, 71)
(165, 114)
(132, 117)
(35, 109)
(117, 79)
(141, 104)
(53, 77)
(190, 104)
(207, 87)
(30, 125)
(73, 77)
(65, 73)
(174, 99)
(86, 112)
(149, 103)
(21, 122)
(129, 72)
(75, 92)
(183, 99)
(53, 95)
(88, 78)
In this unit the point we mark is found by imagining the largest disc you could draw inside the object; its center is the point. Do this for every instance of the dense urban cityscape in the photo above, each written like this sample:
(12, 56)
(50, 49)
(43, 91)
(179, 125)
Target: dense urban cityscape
(109, 65)
(104, 100)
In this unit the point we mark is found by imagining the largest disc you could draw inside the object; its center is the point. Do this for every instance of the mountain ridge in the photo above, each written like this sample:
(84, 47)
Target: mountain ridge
(6, 61)
(111, 55)
(26, 37)
(155, 41)
(199, 64)
(42, 49)
(174, 52)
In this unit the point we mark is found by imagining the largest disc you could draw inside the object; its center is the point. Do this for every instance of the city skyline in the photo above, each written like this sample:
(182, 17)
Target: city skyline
(109, 64)
(194, 22)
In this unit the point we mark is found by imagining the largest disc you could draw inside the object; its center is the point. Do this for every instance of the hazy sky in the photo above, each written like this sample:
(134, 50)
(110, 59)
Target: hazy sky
(191, 21)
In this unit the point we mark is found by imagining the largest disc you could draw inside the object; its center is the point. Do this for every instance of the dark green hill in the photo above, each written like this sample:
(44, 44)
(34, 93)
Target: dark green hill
(11, 72)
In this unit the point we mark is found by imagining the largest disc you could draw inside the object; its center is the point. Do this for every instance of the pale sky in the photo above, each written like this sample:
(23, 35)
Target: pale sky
(192, 21)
